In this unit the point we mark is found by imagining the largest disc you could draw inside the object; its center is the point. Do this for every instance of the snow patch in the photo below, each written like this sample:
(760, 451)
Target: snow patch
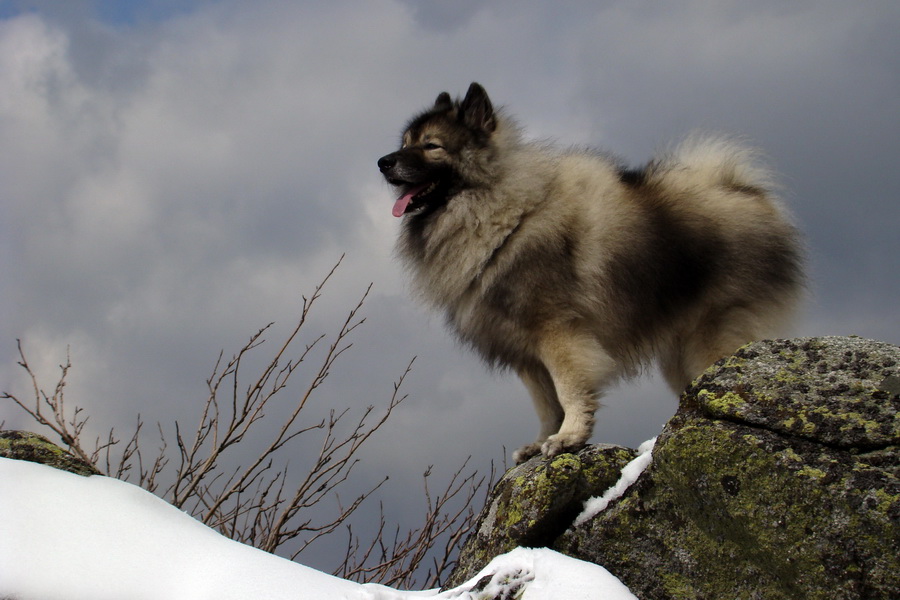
(630, 474)
(544, 574)
(68, 537)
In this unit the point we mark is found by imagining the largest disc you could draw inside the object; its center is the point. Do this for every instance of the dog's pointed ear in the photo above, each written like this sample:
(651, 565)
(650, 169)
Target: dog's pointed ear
(476, 109)
(443, 102)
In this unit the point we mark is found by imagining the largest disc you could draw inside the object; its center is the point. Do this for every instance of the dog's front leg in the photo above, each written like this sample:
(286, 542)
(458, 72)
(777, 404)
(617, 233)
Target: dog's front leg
(580, 369)
(550, 413)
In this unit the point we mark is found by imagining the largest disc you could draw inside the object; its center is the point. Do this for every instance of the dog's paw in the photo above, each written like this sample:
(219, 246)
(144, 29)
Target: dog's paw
(526, 452)
(561, 444)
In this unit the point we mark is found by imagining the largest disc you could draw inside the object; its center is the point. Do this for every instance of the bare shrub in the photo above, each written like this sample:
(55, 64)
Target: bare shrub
(257, 502)
(397, 560)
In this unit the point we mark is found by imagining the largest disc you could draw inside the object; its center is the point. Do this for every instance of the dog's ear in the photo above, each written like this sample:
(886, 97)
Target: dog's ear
(443, 102)
(476, 109)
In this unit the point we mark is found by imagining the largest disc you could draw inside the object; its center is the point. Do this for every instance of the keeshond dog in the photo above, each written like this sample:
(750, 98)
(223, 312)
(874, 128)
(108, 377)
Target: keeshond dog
(573, 270)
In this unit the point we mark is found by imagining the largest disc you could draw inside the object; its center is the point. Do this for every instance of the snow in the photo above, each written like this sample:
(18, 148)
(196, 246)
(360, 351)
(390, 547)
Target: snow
(68, 537)
(630, 474)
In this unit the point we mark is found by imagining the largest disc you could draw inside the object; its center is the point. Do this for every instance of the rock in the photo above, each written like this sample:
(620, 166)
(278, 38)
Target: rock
(778, 478)
(535, 502)
(23, 445)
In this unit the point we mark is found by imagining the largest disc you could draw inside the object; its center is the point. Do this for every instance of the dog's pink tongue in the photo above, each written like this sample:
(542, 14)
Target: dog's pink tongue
(401, 204)
(403, 201)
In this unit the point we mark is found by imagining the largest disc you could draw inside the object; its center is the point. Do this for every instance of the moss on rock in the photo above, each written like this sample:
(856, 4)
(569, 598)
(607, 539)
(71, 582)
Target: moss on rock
(533, 503)
(777, 479)
(24, 445)
(829, 390)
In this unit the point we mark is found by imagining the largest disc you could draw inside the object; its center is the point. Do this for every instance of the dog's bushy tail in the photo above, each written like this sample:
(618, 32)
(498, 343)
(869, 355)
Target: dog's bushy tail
(709, 161)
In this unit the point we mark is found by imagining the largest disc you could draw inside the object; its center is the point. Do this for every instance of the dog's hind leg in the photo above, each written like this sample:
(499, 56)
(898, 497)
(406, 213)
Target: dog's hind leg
(717, 336)
(543, 394)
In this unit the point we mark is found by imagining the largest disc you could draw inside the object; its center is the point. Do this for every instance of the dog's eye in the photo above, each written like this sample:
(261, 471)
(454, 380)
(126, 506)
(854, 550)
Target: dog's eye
(431, 146)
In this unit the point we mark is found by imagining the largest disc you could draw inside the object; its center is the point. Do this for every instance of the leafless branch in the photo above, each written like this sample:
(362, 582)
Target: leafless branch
(397, 560)
(259, 502)
(69, 431)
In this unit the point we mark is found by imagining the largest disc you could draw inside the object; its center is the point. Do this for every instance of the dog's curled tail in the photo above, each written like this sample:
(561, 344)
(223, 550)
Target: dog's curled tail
(705, 161)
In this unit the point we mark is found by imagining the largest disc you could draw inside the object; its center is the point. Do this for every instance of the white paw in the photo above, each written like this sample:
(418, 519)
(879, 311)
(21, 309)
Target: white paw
(561, 444)
(526, 452)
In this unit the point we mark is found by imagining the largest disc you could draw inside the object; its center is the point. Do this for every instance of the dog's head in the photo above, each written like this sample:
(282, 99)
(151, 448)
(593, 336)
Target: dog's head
(435, 157)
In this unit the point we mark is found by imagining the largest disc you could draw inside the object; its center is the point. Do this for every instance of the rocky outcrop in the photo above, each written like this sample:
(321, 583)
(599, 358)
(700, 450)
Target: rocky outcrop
(779, 477)
(534, 503)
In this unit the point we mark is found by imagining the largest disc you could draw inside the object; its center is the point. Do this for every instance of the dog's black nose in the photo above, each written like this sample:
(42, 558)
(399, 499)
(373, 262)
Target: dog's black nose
(386, 163)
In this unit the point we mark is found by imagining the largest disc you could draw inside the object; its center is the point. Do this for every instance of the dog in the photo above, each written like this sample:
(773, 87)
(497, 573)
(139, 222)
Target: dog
(573, 270)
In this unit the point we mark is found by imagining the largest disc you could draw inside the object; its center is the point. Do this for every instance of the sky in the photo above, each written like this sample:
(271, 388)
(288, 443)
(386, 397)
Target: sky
(176, 175)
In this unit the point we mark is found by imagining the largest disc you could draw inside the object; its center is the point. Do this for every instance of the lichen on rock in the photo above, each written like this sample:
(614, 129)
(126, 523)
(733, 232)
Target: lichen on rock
(828, 390)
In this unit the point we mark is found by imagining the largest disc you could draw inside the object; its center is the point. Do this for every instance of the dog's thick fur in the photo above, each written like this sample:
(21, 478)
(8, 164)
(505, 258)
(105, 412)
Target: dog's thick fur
(573, 270)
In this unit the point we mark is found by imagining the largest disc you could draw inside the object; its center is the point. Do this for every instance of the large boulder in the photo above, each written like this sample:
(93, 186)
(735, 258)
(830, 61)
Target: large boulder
(779, 477)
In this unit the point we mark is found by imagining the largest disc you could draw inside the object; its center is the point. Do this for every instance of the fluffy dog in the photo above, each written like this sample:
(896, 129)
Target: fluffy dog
(573, 270)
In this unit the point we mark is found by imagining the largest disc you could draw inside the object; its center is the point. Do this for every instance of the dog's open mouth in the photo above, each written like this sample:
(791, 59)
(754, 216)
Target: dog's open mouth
(412, 197)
